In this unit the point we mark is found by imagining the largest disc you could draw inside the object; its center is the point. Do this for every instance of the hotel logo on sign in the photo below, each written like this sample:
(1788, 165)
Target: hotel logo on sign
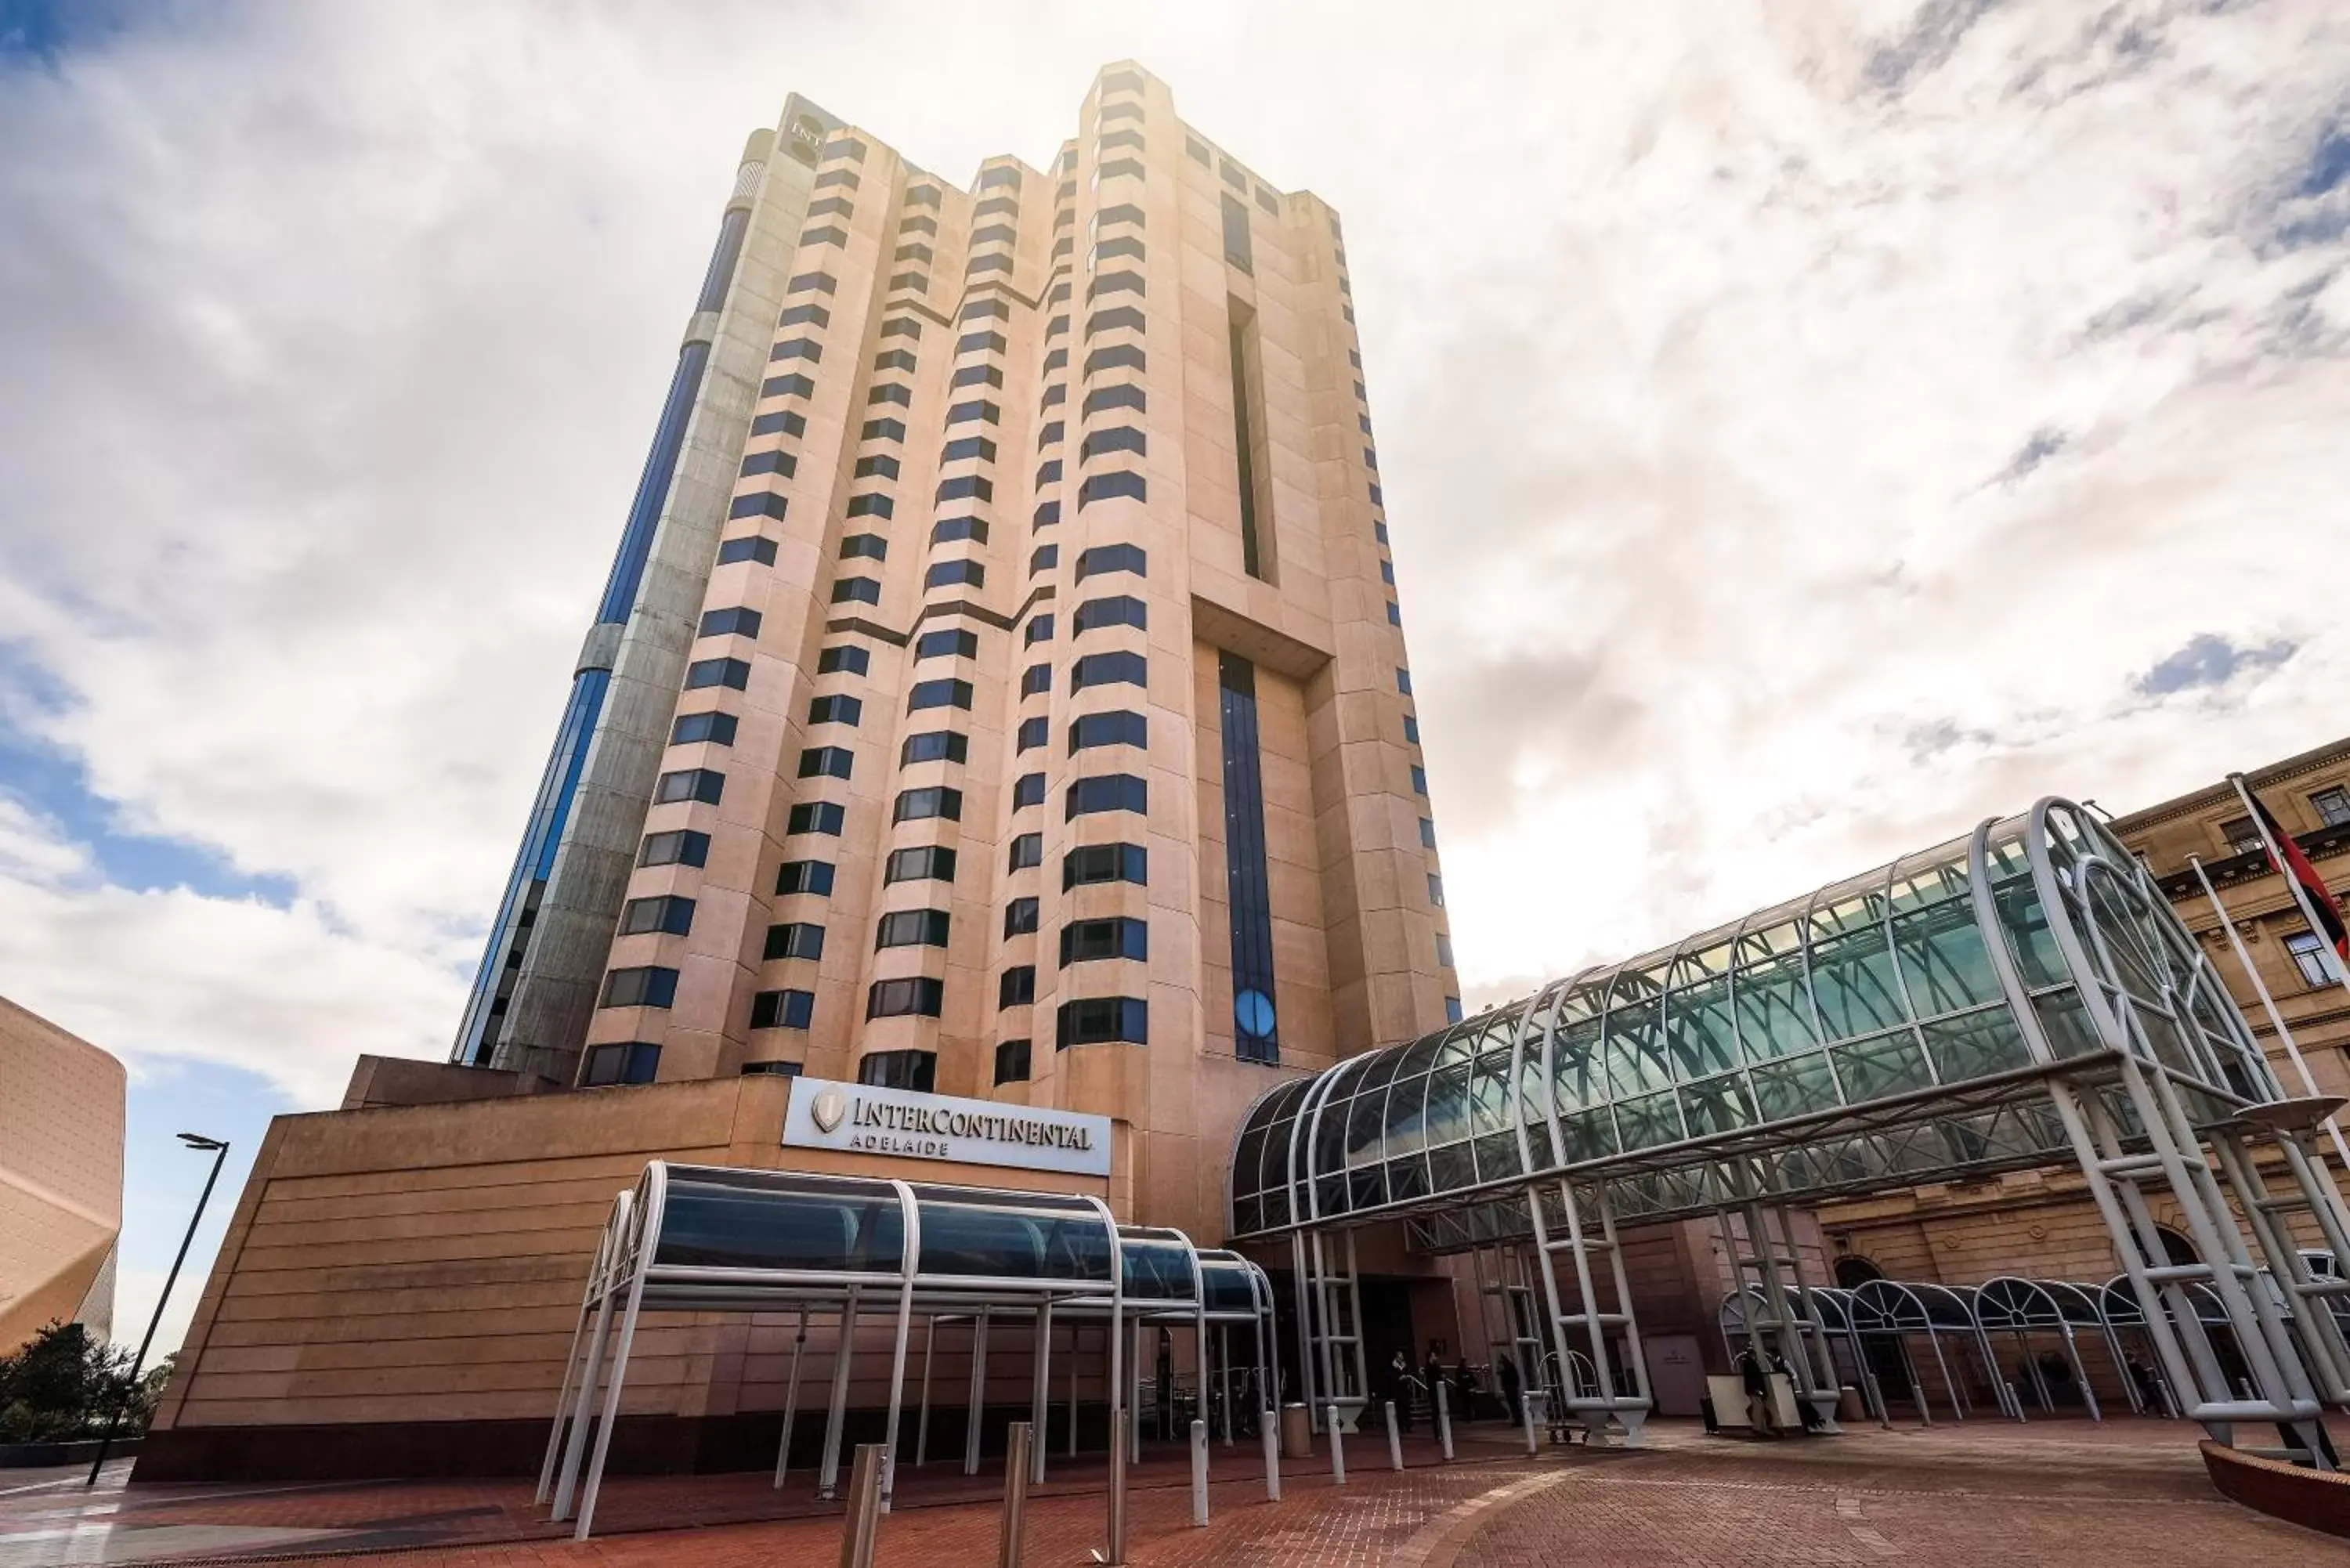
(902, 1123)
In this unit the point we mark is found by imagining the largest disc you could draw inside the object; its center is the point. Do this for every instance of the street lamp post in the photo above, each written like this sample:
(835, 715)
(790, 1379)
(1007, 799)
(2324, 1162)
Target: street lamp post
(219, 1149)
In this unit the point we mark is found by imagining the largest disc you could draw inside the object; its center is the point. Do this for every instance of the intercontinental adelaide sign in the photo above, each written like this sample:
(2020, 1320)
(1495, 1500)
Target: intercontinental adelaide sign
(864, 1119)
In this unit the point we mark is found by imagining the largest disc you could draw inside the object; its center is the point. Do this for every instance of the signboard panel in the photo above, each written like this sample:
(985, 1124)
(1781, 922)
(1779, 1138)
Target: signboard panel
(864, 1119)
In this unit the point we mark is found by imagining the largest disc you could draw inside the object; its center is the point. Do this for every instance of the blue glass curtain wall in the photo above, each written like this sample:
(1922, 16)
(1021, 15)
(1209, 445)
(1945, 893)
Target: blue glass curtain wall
(1255, 1026)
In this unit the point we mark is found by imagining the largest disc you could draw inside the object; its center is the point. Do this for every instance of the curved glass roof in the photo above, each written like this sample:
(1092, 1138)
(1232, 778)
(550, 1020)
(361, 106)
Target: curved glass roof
(1880, 1030)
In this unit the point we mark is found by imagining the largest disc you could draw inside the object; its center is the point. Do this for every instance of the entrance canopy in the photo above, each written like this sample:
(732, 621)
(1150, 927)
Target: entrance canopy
(714, 1238)
(1889, 1030)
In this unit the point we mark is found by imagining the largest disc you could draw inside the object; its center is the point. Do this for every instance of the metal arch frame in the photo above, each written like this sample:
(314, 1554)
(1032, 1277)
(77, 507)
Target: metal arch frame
(623, 1275)
(2010, 1303)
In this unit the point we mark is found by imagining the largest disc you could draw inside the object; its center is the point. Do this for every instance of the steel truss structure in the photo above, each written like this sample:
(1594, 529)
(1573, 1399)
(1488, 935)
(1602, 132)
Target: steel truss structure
(708, 1239)
(2021, 997)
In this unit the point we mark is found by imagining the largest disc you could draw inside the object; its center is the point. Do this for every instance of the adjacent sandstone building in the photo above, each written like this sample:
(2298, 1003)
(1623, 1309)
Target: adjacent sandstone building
(60, 1177)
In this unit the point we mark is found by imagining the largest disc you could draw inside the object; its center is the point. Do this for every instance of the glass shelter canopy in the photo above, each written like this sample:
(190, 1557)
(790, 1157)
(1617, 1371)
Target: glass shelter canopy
(1891, 1029)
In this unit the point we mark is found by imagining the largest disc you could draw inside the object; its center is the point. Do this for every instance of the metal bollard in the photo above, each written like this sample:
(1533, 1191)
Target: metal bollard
(1444, 1420)
(1267, 1425)
(1019, 1442)
(1395, 1439)
(1337, 1450)
(862, 1526)
(1527, 1419)
(1199, 1472)
(1117, 1489)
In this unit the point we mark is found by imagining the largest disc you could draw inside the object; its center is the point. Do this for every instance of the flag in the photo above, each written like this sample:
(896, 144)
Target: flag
(2312, 887)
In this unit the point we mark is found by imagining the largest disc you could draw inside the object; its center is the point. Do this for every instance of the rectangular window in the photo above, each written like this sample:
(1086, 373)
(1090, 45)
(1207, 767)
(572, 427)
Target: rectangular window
(934, 746)
(947, 530)
(1099, 1020)
(1039, 629)
(912, 928)
(783, 421)
(804, 876)
(2333, 806)
(1418, 779)
(968, 447)
(915, 1070)
(684, 847)
(864, 548)
(670, 916)
(836, 708)
(918, 996)
(856, 591)
(1248, 417)
(1091, 863)
(2243, 838)
(701, 673)
(1411, 729)
(690, 785)
(1016, 987)
(946, 693)
(845, 656)
(1118, 727)
(816, 816)
(1256, 1035)
(648, 986)
(1020, 918)
(1436, 890)
(1027, 790)
(930, 863)
(882, 429)
(1106, 669)
(1427, 833)
(1236, 236)
(1083, 941)
(1109, 792)
(750, 547)
(1112, 558)
(1036, 678)
(880, 464)
(1033, 732)
(1121, 610)
(795, 940)
(1027, 849)
(949, 643)
(932, 801)
(718, 729)
(1443, 951)
(1012, 1062)
(782, 1010)
(1044, 558)
(2308, 952)
(827, 762)
(625, 1062)
(1452, 1009)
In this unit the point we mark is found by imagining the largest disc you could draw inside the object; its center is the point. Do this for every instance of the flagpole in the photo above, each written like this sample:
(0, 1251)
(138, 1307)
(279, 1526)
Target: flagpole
(2268, 1003)
(2285, 869)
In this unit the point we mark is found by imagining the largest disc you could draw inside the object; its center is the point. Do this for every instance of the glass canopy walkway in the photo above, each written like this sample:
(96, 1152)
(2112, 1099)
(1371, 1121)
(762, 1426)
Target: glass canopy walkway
(706, 1239)
(2020, 997)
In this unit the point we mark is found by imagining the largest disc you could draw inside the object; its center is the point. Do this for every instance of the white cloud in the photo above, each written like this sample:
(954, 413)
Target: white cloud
(1803, 428)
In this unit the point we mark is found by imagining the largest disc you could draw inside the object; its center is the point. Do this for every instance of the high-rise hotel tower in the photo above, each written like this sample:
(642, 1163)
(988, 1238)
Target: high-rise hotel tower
(1000, 689)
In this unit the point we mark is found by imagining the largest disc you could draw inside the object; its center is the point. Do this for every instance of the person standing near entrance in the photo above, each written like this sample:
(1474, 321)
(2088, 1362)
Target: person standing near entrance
(1505, 1373)
(1400, 1390)
(1759, 1415)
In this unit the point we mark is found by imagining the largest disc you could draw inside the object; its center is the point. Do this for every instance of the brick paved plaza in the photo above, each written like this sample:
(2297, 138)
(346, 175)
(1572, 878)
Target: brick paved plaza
(2126, 1494)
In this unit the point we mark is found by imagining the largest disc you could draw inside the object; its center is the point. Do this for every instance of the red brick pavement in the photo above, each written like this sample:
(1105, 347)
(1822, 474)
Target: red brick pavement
(2126, 1494)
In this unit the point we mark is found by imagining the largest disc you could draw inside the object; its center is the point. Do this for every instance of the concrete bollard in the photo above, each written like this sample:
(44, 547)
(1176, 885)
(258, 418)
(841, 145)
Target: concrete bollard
(1444, 1420)
(1267, 1424)
(1337, 1451)
(1017, 1447)
(1395, 1439)
(861, 1528)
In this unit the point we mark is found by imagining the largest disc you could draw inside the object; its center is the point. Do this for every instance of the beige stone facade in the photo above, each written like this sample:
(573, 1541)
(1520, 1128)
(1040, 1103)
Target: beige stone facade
(60, 1177)
(998, 452)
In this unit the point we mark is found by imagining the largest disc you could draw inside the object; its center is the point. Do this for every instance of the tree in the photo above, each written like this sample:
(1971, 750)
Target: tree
(63, 1384)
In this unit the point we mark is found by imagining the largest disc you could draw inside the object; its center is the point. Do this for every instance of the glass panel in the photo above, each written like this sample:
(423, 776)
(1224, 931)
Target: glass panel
(780, 1224)
(1365, 1188)
(1890, 1064)
(1488, 1096)
(1699, 1026)
(1589, 1135)
(1407, 1115)
(1574, 1067)
(1793, 1086)
(1155, 1270)
(1329, 1142)
(1977, 1045)
(2037, 958)
(1366, 1128)
(1407, 1177)
(1636, 1057)
(1448, 1168)
(1008, 1239)
(1229, 1289)
(1248, 1161)
(1774, 1019)
(1944, 959)
(1497, 1157)
(2066, 1023)
(1717, 1106)
(1447, 1106)
(1648, 1120)
(1534, 1109)
(1852, 980)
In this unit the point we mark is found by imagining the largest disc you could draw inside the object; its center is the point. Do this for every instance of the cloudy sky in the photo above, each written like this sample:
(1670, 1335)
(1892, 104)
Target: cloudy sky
(1807, 429)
